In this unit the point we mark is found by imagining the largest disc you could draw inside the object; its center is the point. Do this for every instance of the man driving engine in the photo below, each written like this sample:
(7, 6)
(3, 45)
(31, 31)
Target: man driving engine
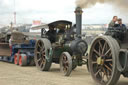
(51, 34)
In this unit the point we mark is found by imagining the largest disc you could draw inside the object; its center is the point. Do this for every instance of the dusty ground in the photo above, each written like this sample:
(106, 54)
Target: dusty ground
(11, 74)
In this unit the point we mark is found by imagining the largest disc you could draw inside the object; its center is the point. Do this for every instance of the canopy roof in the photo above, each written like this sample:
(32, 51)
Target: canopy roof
(56, 24)
(60, 24)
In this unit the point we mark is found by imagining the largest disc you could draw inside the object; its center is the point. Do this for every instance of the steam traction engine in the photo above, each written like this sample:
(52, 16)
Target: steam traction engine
(62, 44)
(108, 56)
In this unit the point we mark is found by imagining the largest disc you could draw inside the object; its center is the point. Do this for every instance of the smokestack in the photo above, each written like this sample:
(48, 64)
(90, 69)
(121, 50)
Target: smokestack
(78, 13)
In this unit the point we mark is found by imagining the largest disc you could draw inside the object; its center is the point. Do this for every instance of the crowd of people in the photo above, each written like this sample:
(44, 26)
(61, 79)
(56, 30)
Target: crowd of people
(117, 22)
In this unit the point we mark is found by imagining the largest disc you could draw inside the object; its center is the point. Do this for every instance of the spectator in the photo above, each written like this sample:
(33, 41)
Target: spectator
(122, 28)
(113, 22)
(121, 25)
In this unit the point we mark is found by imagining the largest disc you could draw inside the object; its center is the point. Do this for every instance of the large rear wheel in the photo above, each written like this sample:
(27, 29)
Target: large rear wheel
(103, 60)
(42, 58)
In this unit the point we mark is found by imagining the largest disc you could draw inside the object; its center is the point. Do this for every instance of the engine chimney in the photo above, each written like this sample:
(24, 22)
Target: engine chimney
(78, 13)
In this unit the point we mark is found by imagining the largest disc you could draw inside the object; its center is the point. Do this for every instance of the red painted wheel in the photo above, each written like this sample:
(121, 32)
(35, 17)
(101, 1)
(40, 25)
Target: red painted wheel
(16, 59)
(23, 60)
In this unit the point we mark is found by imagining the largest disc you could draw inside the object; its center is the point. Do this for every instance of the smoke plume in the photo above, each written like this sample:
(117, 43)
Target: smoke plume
(119, 4)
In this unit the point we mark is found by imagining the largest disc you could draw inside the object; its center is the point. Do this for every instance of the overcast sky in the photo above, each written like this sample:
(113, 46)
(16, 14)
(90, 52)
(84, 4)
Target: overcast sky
(51, 10)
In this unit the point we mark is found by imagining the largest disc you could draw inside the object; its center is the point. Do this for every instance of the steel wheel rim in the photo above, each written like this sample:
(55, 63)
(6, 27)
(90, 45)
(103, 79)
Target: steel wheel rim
(40, 54)
(101, 61)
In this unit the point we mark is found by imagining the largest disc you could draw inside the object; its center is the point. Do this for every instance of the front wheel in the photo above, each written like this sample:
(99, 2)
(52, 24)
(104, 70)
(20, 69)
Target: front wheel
(66, 63)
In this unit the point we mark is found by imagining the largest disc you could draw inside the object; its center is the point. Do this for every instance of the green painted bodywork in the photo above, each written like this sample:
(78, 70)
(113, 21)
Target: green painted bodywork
(49, 54)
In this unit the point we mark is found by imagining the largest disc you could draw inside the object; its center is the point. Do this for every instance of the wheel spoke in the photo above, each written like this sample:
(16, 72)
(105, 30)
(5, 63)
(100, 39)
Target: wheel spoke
(96, 52)
(107, 51)
(42, 49)
(104, 48)
(41, 64)
(38, 59)
(100, 44)
(110, 64)
(94, 62)
(108, 60)
(100, 47)
(43, 61)
(43, 53)
(38, 52)
(99, 51)
(39, 45)
(108, 67)
(97, 72)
